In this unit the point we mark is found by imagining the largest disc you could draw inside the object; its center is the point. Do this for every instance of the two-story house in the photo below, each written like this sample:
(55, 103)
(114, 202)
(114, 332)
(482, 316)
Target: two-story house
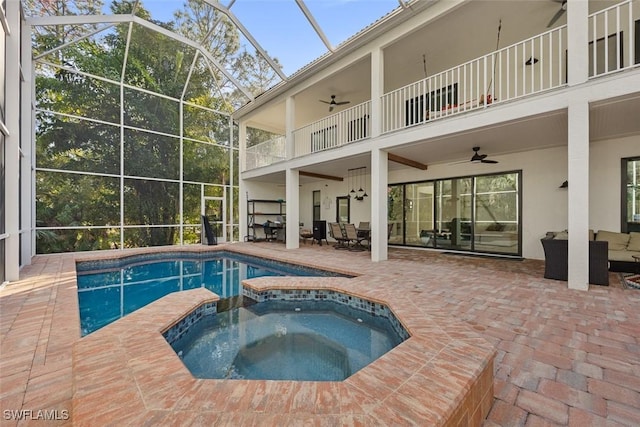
(472, 126)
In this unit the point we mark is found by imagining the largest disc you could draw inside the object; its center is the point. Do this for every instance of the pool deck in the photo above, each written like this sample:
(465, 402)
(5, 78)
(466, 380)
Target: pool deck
(564, 357)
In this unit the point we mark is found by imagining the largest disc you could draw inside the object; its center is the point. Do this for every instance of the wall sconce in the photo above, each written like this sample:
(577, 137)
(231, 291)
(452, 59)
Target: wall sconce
(356, 176)
(564, 185)
(532, 60)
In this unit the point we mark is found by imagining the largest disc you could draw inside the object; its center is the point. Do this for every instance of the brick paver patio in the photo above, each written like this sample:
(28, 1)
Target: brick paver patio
(564, 357)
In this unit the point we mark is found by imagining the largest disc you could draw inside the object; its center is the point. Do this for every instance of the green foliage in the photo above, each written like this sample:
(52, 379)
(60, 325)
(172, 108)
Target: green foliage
(70, 144)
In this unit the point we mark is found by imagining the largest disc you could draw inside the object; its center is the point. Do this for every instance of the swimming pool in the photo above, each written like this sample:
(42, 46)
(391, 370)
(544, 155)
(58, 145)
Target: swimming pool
(111, 289)
(316, 340)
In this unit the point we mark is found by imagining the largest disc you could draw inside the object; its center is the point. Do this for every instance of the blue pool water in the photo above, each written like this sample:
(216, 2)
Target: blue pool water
(285, 340)
(111, 289)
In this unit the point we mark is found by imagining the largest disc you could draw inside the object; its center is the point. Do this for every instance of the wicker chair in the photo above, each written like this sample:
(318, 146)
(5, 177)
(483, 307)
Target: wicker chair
(556, 254)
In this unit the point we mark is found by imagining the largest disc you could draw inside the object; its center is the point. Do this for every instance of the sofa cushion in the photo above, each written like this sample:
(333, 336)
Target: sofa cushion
(562, 235)
(617, 241)
(626, 256)
(634, 242)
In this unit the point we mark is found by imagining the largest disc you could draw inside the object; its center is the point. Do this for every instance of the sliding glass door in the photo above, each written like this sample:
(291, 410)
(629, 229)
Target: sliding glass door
(453, 207)
(630, 195)
(475, 213)
(497, 209)
(395, 214)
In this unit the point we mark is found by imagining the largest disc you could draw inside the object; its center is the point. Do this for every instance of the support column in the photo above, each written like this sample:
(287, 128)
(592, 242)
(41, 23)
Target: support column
(577, 42)
(379, 183)
(12, 143)
(242, 188)
(228, 225)
(28, 146)
(578, 193)
(377, 90)
(293, 208)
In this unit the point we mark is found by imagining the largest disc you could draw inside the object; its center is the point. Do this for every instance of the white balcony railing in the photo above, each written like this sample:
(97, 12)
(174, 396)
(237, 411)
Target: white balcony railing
(345, 127)
(618, 25)
(525, 68)
(530, 66)
(266, 153)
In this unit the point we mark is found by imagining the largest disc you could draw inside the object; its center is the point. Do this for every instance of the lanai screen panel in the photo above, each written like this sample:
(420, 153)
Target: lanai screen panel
(131, 133)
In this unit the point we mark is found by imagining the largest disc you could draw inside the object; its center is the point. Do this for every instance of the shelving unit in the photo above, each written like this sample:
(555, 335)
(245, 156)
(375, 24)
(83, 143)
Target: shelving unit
(260, 211)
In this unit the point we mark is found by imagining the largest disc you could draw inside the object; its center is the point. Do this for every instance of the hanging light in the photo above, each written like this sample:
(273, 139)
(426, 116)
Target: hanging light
(365, 182)
(350, 171)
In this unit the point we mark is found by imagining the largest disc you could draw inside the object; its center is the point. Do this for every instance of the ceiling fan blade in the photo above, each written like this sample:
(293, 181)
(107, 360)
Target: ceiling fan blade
(326, 102)
(488, 161)
(557, 16)
(342, 103)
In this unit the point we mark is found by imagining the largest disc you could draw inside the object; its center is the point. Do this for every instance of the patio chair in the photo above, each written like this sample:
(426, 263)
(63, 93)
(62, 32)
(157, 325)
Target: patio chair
(352, 237)
(336, 233)
(364, 232)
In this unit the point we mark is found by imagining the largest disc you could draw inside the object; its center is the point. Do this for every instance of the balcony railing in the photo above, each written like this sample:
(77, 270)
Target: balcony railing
(616, 24)
(350, 125)
(525, 68)
(266, 153)
(530, 66)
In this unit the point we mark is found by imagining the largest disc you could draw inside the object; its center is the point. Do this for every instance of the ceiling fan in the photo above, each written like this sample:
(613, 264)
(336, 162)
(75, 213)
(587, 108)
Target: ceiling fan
(480, 158)
(334, 103)
(559, 13)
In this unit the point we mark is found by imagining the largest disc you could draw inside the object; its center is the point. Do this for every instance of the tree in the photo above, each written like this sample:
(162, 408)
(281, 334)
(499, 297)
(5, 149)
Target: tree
(150, 140)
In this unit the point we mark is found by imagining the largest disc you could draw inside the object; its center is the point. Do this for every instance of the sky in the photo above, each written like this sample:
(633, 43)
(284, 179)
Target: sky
(284, 32)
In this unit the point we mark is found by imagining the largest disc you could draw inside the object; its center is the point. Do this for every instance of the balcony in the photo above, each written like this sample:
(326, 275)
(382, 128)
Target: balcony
(266, 153)
(529, 67)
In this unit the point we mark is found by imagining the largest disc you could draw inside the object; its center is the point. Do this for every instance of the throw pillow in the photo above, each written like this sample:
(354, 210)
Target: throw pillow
(634, 242)
(562, 235)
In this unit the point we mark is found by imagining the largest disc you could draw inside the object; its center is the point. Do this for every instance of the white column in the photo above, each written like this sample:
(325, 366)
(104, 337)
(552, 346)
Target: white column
(242, 188)
(290, 123)
(377, 90)
(28, 136)
(578, 193)
(12, 143)
(228, 236)
(577, 41)
(379, 181)
(293, 208)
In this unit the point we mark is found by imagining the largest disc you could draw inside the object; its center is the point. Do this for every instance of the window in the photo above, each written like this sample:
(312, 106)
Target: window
(358, 129)
(343, 209)
(316, 205)
(603, 65)
(630, 195)
(439, 99)
(324, 138)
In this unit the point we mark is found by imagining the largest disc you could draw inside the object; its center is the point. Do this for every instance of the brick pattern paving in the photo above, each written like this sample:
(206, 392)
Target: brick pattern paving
(564, 357)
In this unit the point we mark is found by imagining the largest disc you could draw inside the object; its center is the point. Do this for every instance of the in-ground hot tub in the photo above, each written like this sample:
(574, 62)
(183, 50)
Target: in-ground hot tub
(442, 375)
(299, 340)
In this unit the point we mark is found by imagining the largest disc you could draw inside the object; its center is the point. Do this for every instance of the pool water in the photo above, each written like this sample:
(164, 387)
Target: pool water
(285, 340)
(111, 289)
